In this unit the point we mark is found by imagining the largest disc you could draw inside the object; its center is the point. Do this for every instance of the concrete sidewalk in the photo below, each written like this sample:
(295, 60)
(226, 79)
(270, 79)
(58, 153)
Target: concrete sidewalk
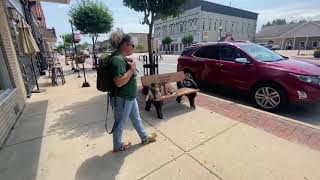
(61, 135)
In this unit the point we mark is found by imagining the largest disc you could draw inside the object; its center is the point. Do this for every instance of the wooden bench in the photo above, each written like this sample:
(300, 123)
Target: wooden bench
(177, 77)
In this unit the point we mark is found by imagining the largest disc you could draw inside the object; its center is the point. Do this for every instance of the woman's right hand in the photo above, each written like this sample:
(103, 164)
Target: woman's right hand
(132, 65)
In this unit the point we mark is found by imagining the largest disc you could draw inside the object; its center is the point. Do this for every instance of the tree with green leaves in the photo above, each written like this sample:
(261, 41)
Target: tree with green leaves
(67, 38)
(187, 40)
(83, 46)
(60, 48)
(92, 18)
(166, 41)
(67, 41)
(275, 22)
(140, 47)
(152, 9)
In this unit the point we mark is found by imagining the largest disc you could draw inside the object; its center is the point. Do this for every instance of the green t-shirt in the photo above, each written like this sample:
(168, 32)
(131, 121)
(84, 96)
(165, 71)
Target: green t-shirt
(119, 67)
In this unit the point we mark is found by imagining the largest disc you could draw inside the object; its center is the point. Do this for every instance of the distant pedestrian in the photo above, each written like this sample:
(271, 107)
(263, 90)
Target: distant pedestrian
(229, 37)
(124, 100)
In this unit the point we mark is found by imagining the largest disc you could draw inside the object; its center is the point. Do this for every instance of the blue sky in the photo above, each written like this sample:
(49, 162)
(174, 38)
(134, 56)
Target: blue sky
(57, 14)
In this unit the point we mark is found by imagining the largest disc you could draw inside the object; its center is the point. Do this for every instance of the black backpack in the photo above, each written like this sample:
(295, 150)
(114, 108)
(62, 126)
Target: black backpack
(105, 82)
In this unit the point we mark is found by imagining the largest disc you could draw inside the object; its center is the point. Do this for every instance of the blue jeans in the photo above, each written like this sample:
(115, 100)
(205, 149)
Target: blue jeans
(123, 110)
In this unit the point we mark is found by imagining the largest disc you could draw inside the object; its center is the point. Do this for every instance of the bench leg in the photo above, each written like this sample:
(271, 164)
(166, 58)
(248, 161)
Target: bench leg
(179, 98)
(191, 98)
(158, 105)
(148, 105)
(145, 90)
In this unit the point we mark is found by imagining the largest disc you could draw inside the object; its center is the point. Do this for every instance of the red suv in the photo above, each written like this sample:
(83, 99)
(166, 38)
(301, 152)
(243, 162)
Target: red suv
(270, 80)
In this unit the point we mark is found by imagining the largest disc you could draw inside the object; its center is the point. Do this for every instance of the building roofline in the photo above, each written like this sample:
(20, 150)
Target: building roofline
(298, 27)
(227, 10)
(221, 9)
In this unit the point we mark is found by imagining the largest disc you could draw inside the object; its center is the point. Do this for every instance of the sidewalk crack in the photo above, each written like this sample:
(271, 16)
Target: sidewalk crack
(214, 136)
(204, 166)
(164, 135)
(161, 166)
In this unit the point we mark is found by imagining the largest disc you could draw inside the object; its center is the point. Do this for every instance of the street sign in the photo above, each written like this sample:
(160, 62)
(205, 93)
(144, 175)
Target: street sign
(77, 37)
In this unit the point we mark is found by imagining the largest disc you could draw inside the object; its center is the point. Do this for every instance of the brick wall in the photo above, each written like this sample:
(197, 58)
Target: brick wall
(13, 103)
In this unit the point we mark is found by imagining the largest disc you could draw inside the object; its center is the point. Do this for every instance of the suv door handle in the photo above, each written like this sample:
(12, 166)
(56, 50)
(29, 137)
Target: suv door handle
(219, 64)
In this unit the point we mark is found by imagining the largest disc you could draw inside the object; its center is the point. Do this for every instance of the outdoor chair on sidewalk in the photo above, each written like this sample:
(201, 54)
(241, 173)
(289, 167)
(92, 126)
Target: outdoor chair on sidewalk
(56, 72)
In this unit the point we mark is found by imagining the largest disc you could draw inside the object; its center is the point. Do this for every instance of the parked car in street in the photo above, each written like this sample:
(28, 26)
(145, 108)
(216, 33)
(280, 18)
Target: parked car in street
(276, 47)
(269, 46)
(269, 79)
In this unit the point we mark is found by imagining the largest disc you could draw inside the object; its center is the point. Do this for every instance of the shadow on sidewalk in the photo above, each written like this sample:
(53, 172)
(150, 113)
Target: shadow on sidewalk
(170, 109)
(20, 157)
(90, 114)
(104, 167)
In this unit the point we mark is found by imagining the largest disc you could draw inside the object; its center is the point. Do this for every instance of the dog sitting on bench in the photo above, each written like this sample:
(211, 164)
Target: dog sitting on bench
(158, 89)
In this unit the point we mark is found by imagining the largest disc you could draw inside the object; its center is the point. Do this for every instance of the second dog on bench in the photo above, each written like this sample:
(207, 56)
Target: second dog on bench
(158, 89)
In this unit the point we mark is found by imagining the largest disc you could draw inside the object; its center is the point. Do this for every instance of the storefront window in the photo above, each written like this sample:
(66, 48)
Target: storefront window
(16, 4)
(5, 82)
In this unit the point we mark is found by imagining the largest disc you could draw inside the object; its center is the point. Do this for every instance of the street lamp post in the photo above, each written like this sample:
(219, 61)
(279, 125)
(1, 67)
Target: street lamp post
(74, 45)
(220, 30)
(64, 49)
(85, 84)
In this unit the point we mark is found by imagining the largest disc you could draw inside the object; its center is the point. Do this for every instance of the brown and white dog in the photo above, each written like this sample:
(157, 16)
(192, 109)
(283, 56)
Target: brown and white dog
(158, 89)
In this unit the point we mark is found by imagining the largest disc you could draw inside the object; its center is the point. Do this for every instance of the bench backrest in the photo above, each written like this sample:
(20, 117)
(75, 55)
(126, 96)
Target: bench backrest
(163, 78)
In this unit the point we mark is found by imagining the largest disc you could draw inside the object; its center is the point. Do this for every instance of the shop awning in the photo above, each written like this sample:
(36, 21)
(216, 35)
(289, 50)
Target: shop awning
(29, 45)
(56, 1)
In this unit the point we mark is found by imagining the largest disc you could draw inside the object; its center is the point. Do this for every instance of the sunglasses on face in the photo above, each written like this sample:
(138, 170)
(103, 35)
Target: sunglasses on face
(131, 45)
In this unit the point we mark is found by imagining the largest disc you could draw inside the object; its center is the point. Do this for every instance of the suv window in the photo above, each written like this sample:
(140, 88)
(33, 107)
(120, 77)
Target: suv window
(228, 53)
(209, 52)
(187, 51)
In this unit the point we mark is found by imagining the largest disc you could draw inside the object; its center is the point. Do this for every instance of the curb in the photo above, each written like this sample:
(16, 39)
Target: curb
(265, 112)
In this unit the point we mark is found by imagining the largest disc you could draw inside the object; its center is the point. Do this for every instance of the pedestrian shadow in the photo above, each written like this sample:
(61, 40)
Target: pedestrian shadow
(104, 167)
(85, 118)
(171, 108)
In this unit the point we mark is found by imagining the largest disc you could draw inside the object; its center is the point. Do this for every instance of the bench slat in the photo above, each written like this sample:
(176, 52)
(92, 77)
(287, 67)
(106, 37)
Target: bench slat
(167, 78)
(180, 92)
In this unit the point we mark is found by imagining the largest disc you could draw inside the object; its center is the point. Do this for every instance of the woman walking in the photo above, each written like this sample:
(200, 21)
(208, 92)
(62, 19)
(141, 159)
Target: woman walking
(123, 72)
